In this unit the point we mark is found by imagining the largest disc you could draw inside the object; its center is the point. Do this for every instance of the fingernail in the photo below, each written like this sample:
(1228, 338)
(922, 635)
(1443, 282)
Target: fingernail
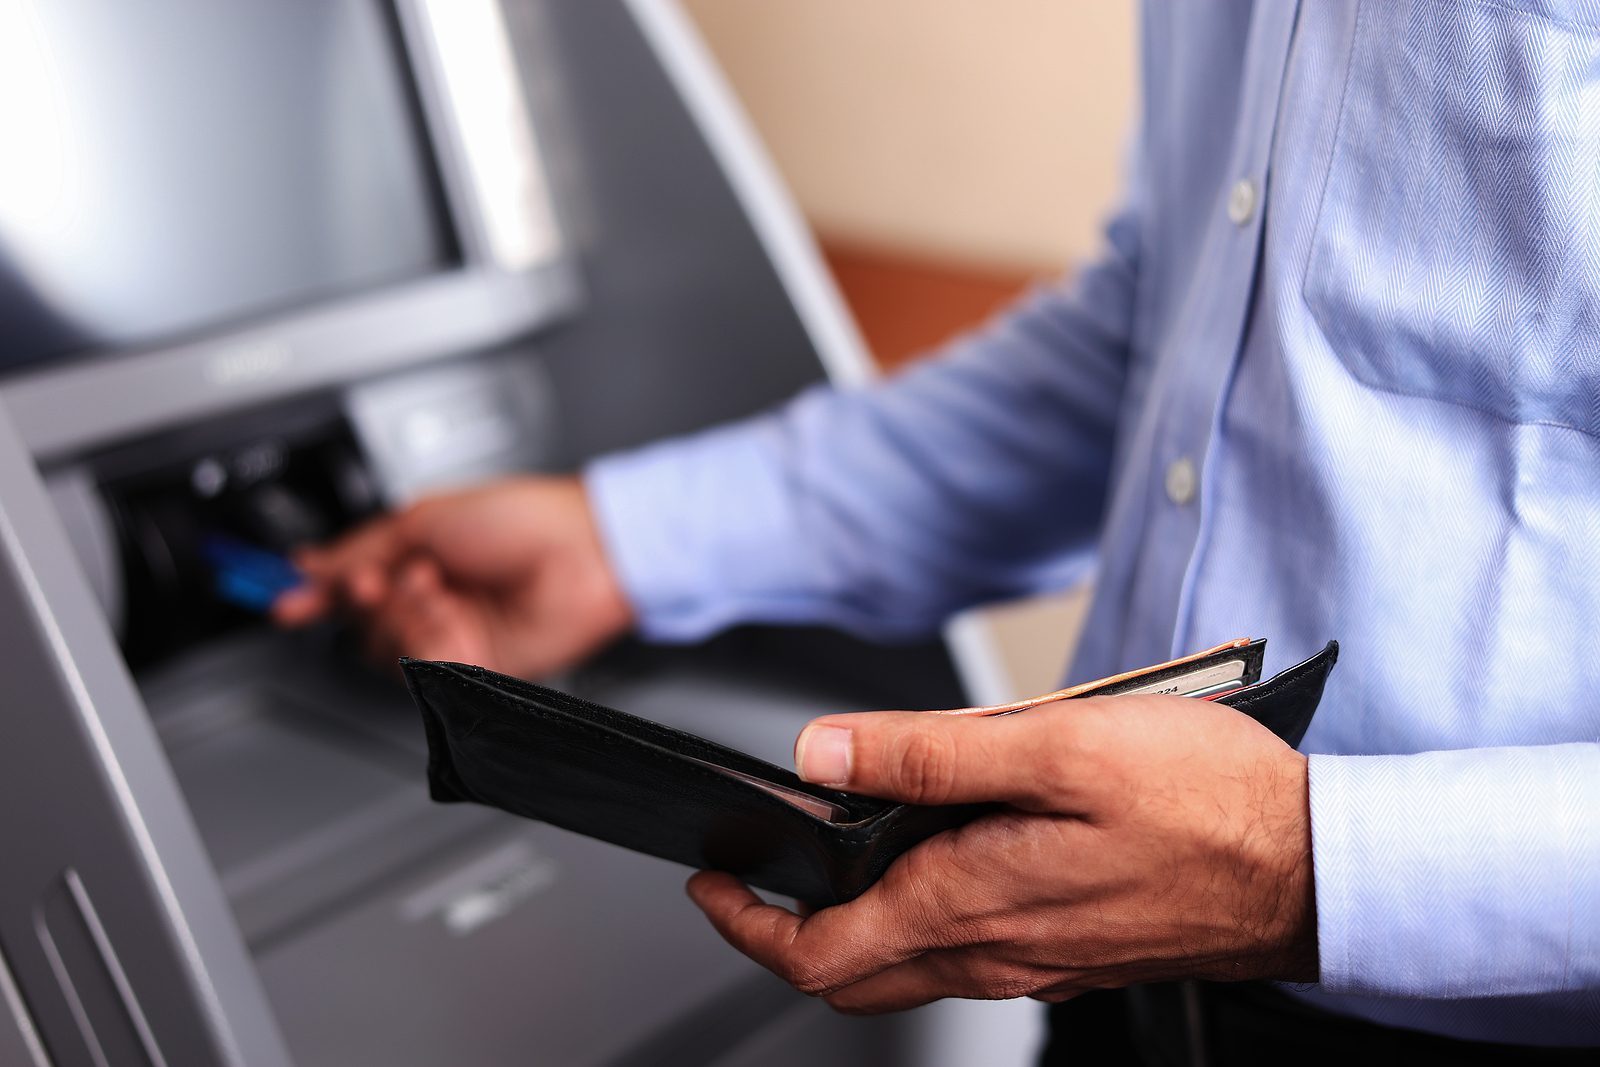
(822, 755)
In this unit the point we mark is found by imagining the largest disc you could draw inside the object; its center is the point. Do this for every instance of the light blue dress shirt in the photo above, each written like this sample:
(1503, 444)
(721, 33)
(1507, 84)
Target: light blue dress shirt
(1356, 291)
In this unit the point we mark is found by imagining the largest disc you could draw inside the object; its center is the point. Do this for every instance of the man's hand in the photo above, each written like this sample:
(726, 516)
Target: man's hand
(511, 576)
(1146, 838)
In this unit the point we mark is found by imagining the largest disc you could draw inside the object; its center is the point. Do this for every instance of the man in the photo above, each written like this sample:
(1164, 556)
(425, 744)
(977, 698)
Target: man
(1337, 375)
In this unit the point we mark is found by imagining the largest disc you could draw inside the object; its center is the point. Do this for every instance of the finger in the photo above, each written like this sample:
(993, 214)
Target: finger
(364, 585)
(386, 624)
(930, 759)
(760, 930)
(301, 605)
(429, 620)
(900, 988)
(364, 556)
(934, 976)
(836, 947)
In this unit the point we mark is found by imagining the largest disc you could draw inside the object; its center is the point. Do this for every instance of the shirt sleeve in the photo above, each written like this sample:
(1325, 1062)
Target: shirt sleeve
(977, 475)
(1458, 874)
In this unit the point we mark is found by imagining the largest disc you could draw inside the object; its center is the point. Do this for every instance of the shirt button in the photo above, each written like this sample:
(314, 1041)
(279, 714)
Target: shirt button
(1242, 201)
(1180, 480)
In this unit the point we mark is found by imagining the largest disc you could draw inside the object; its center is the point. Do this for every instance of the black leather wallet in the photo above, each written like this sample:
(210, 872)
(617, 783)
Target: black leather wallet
(546, 755)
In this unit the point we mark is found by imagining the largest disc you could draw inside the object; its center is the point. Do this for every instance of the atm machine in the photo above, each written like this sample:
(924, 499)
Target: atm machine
(267, 267)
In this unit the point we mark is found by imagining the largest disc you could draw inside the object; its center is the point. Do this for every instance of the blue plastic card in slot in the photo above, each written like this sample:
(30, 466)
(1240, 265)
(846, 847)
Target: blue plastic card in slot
(245, 575)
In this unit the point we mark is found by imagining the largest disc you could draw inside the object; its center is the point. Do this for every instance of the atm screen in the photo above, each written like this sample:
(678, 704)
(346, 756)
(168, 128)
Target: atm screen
(170, 167)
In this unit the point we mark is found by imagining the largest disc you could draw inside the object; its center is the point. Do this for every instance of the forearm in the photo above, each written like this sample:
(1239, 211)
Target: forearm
(1458, 874)
(880, 512)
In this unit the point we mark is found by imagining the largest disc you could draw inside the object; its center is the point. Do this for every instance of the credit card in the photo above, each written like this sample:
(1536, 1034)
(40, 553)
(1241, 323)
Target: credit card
(1206, 678)
(247, 575)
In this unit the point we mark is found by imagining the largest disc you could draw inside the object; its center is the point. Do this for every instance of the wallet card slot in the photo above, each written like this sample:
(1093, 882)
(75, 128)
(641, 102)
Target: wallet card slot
(1246, 653)
(1195, 683)
(822, 809)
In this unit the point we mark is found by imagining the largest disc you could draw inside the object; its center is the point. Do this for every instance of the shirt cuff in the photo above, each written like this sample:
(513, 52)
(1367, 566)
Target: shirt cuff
(1458, 874)
(702, 533)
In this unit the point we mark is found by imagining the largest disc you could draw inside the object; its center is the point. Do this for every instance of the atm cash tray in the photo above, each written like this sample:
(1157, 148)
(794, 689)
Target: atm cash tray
(507, 941)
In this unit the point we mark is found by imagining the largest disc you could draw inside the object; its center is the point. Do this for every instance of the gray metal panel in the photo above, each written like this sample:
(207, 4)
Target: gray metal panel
(686, 321)
(88, 802)
(756, 184)
(592, 952)
(69, 409)
(811, 1034)
(486, 145)
(19, 1037)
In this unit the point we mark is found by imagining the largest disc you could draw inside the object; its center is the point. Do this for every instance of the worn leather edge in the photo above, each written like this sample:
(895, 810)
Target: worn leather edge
(1286, 703)
(444, 781)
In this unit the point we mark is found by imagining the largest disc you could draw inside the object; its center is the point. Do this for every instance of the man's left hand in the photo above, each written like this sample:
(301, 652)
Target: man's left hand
(1145, 838)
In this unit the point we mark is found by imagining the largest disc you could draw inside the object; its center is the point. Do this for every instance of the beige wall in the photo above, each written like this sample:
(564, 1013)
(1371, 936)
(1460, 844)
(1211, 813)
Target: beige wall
(987, 130)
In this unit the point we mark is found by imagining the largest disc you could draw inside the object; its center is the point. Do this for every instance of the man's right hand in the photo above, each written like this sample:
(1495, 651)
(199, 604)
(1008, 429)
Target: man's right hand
(511, 576)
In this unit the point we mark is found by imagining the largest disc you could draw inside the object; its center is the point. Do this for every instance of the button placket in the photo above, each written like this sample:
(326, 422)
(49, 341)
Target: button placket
(1191, 406)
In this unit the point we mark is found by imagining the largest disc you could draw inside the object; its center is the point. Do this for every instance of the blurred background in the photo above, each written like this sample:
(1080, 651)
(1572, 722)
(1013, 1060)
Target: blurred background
(948, 154)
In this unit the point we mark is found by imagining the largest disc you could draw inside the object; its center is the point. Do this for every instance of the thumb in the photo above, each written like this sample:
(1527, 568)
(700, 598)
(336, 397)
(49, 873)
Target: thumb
(930, 759)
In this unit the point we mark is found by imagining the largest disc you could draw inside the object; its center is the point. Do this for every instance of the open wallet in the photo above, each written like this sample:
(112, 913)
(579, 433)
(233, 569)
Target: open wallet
(543, 754)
